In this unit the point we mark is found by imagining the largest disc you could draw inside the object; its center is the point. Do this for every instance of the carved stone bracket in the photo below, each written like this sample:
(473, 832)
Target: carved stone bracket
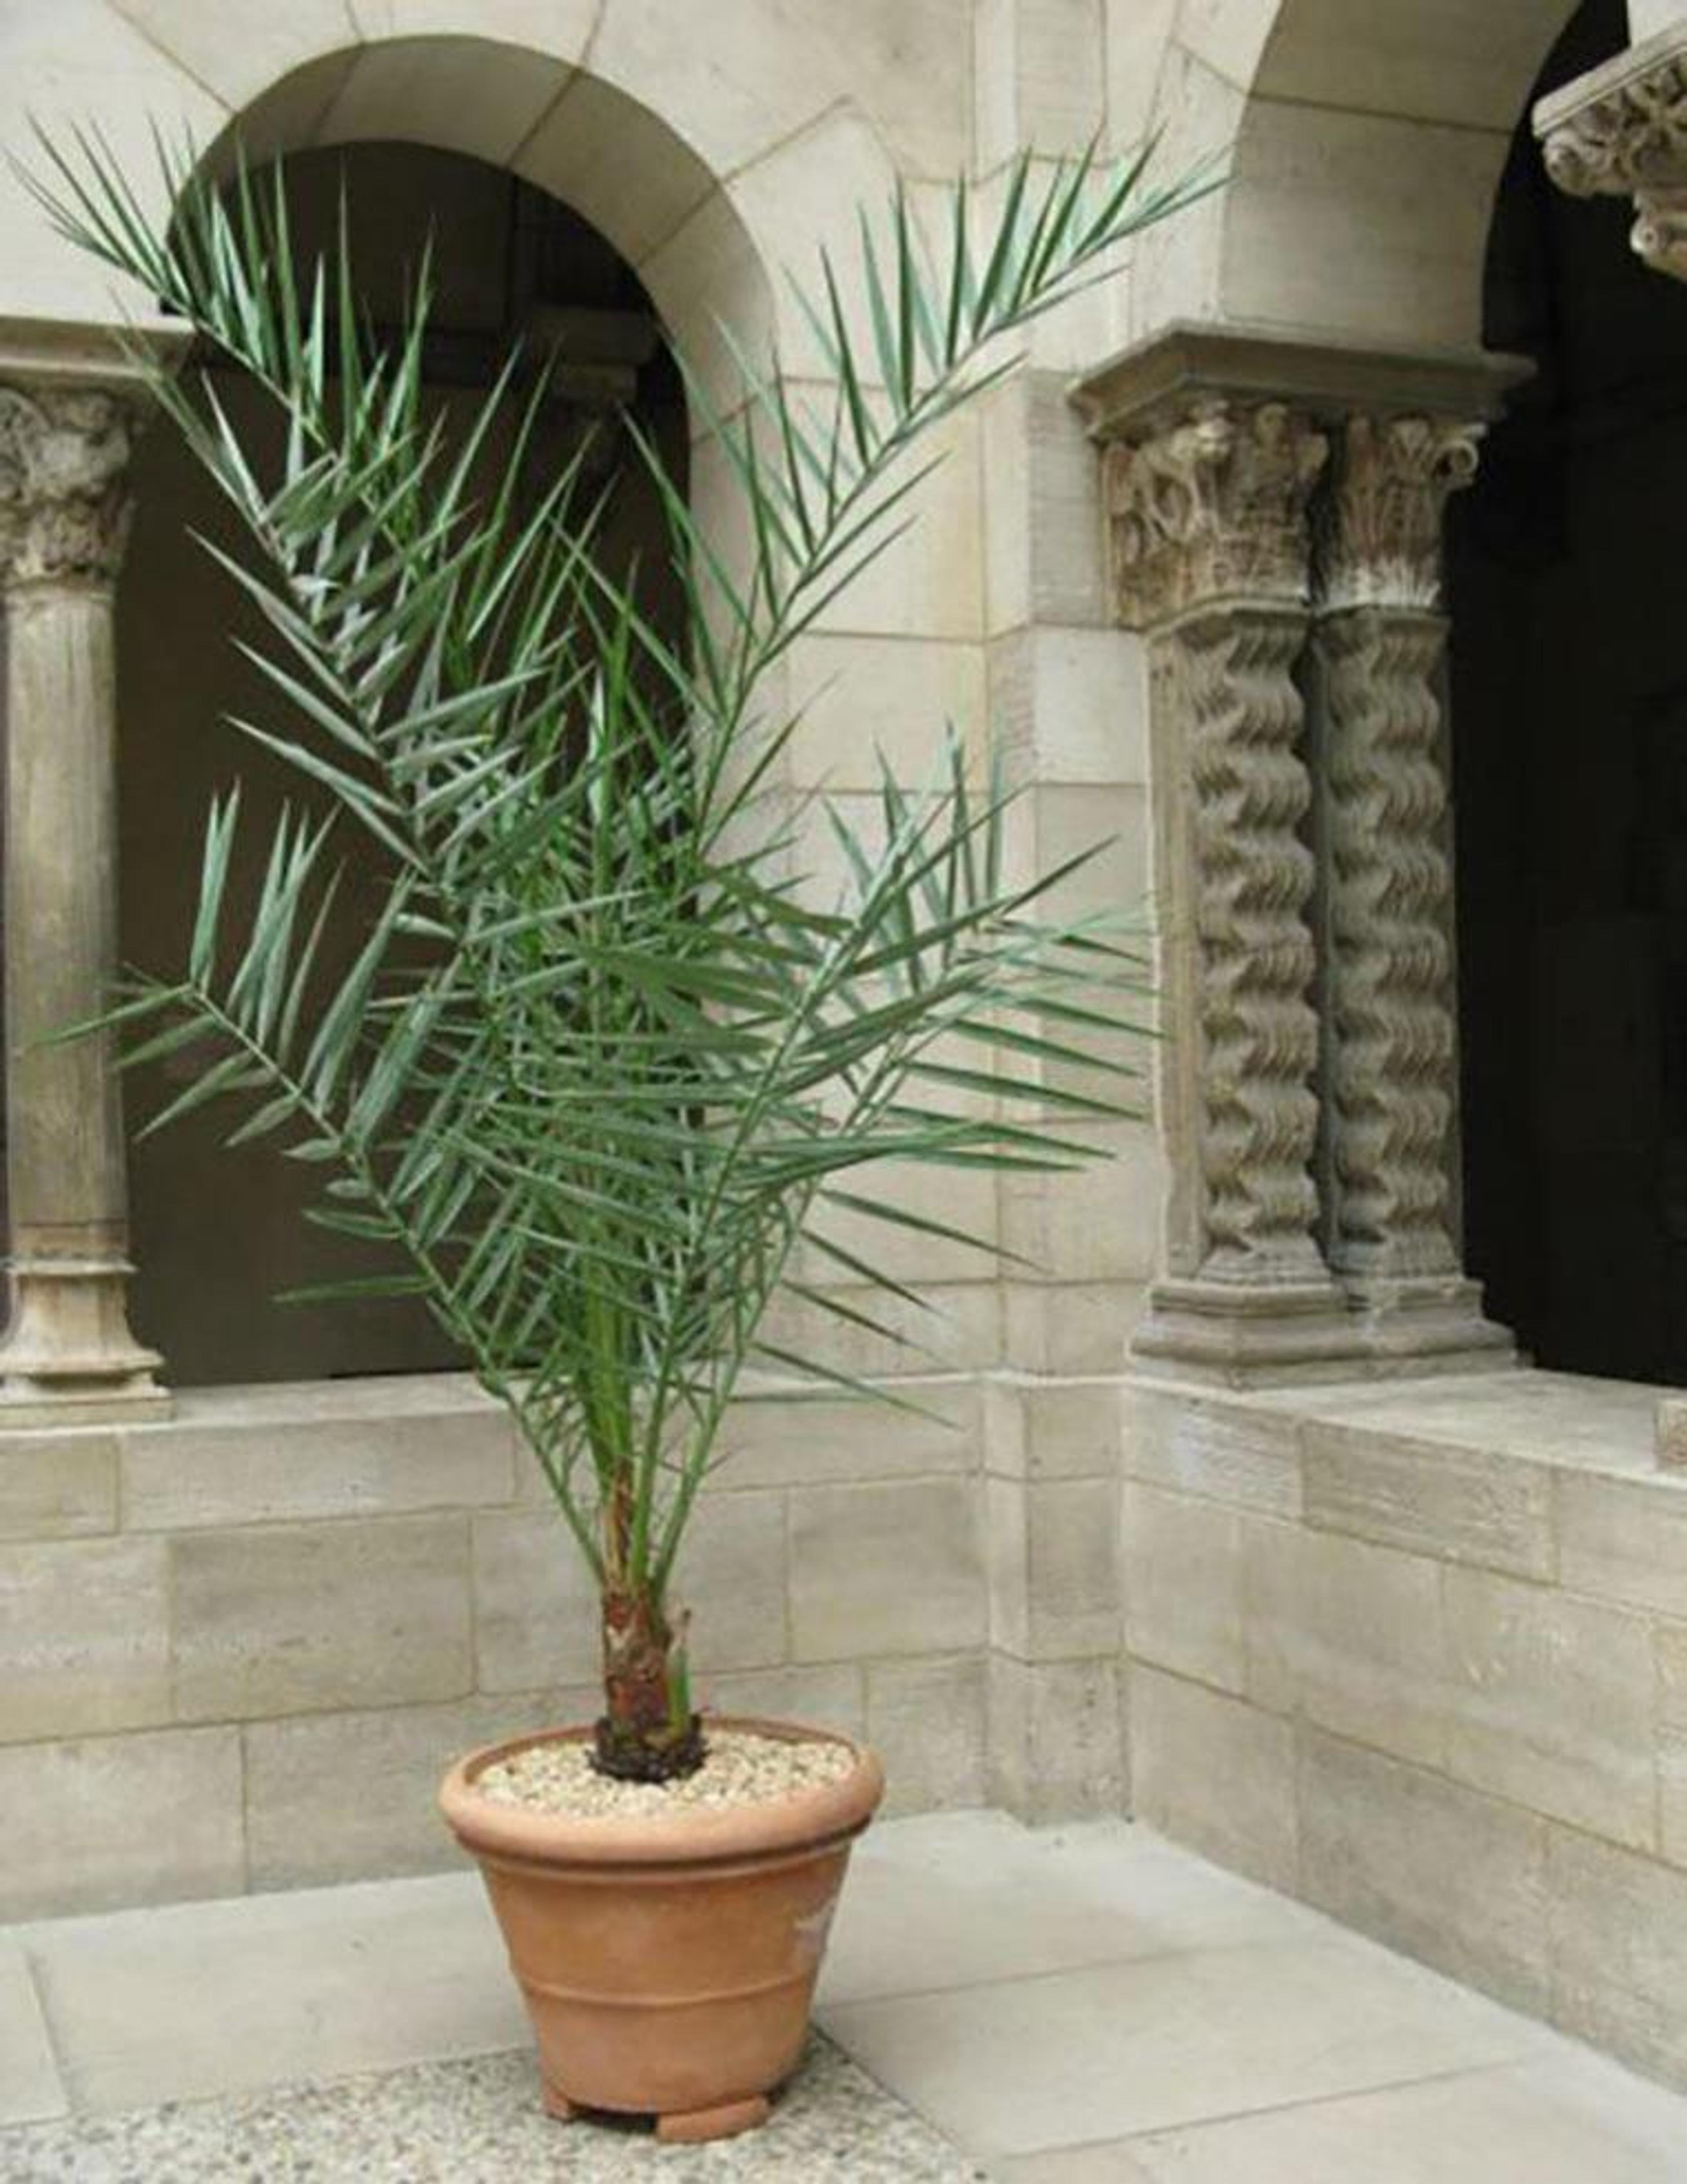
(1621, 131)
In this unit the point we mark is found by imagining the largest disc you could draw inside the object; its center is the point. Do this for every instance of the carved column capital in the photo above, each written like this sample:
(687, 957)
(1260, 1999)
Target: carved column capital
(1210, 504)
(65, 505)
(1383, 521)
(1621, 131)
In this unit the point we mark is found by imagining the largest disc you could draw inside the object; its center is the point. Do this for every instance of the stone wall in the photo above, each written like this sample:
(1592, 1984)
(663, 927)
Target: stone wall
(238, 1649)
(1419, 1655)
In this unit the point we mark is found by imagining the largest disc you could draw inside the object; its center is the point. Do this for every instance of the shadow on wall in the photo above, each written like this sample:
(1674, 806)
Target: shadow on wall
(215, 1235)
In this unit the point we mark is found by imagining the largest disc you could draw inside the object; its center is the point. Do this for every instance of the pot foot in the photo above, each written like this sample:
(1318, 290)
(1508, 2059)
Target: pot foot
(558, 2104)
(686, 2126)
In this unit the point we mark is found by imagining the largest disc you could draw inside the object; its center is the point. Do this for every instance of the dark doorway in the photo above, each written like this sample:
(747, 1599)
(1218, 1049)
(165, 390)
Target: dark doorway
(1568, 564)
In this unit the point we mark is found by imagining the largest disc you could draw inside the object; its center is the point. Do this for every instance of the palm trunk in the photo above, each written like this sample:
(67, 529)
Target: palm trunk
(647, 1732)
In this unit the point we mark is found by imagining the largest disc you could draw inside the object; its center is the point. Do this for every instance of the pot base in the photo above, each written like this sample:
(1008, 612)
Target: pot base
(724, 2122)
(684, 2126)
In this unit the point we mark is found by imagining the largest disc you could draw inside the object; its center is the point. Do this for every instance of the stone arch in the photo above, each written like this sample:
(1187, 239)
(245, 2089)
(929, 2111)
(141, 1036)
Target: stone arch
(1367, 144)
(608, 156)
(710, 180)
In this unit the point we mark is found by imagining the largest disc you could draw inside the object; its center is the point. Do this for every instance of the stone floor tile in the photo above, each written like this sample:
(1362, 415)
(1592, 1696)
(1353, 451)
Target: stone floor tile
(1575, 2120)
(1022, 2066)
(1225, 2036)
(960, 1899)
(200, 1999)
(1112, 2162)
(30, 2086)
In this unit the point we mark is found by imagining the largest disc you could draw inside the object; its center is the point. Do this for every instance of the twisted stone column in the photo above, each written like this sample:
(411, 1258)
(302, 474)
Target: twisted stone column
(1390, 1036)
(1274, 518)
(1621, 131)
(66, 428)
(1208, 511)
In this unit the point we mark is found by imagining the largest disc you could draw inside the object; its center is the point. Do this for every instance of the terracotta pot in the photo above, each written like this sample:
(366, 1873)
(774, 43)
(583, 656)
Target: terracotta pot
(668, 1960)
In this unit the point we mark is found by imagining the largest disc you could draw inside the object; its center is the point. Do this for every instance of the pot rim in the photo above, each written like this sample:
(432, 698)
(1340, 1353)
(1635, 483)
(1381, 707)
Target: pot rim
(825, 1812)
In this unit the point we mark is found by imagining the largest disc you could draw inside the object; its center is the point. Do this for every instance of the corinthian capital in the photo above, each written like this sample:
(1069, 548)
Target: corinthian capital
(1211, 505)
(1393, 479)
(1621, 131)
(64, 503)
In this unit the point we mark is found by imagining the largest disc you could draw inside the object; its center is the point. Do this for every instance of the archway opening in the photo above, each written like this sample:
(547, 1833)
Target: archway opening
(217, 1234)
(1569, 696)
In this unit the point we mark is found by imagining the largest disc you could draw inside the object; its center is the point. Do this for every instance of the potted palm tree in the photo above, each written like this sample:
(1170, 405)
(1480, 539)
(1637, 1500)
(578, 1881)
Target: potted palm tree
(601, 1057)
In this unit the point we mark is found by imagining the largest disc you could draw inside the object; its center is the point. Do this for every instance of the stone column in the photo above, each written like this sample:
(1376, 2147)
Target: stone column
(1274, 511)
(1207, 500)
(1621, 131)
(67, 417)
(1389, 1030)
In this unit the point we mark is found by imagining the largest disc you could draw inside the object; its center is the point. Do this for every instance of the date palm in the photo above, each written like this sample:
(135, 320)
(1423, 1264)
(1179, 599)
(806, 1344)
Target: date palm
(602, 1058)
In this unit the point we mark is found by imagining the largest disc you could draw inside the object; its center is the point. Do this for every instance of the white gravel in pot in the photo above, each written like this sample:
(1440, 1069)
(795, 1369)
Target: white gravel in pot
(742, 1769)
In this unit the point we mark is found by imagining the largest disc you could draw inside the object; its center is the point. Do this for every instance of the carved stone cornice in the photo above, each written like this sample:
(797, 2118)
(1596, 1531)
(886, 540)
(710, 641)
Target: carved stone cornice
(1621, 131)
(1212, 506)
(1383, 519)
(65, 505)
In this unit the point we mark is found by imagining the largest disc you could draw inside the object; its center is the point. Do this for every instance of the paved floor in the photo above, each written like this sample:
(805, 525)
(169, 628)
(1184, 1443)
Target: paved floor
(1084, 2006)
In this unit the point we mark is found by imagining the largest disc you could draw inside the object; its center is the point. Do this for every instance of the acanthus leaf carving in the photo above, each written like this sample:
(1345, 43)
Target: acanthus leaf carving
(65, 506)
(1384, 515)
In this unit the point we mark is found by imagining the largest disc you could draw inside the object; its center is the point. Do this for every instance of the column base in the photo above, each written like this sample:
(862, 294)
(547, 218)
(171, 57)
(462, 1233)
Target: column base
(1428, 1323)
(1239, 1335)
(67, 1356)
(1300, 1333)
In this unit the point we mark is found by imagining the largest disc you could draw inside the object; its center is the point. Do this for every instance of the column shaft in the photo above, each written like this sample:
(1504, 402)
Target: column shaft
(1388, 968)
(67, 1352)
(1228, 718)
(1391, 1038)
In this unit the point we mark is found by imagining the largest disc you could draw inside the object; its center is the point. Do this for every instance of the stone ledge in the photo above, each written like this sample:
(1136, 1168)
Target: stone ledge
(1333, 1454)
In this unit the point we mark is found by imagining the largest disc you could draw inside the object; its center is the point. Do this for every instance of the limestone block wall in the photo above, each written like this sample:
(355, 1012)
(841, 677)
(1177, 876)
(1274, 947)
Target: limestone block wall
(238, 1646)
(238, 1649)
(1419, 1655)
